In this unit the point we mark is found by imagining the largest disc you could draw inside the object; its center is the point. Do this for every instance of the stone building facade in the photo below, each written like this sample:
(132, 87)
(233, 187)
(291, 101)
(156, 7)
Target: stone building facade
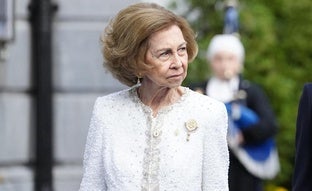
(78, 79)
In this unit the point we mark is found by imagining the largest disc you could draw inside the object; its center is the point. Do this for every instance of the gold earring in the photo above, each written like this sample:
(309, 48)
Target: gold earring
(138, 81)
(139, 78)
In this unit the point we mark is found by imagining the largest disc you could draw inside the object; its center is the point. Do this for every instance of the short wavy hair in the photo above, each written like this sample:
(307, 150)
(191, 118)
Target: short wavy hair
(125, 39)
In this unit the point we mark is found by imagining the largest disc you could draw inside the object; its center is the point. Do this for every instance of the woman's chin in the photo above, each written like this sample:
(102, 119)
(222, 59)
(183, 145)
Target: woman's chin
(175, 84)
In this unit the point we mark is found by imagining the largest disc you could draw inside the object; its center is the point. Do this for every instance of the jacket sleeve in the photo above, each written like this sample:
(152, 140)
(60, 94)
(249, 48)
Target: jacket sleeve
(267, 125)
(93, 176)
(303, 158)
(216, 155)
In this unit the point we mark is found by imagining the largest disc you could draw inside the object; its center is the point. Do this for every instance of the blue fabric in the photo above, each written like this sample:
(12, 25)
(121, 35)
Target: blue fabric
(231, 21)
(258, 152)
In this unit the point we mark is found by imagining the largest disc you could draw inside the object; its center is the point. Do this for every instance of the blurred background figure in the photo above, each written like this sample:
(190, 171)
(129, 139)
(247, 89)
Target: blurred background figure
(303, 159)
(252, 124)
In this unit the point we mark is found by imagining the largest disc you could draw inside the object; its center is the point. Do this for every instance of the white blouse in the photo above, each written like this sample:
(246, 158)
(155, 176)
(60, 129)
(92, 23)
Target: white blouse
(222, 90)
(130, 150)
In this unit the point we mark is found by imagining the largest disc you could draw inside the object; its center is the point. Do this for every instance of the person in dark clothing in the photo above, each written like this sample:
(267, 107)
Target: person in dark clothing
(303, 160)
(252, 123)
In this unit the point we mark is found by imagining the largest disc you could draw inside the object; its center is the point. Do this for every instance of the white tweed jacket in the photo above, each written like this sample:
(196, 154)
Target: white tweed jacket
(183, 148)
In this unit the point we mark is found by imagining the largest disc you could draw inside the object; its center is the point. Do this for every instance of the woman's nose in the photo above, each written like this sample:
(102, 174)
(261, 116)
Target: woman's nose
(176, 60)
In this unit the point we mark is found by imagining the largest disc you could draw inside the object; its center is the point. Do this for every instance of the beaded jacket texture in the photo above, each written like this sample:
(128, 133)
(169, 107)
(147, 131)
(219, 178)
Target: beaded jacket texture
(182, 148)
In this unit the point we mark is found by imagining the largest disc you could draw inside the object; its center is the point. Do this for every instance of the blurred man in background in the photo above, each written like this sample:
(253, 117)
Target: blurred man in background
(252, 124)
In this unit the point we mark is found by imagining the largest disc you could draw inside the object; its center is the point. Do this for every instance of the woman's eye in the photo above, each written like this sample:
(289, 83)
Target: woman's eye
(182, 50)
(164, 54)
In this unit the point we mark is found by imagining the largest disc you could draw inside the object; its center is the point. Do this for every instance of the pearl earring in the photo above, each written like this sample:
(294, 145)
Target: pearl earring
(139, 78)
(138, 81)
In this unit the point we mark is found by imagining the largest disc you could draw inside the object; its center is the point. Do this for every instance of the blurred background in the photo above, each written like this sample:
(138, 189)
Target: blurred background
(51, 72)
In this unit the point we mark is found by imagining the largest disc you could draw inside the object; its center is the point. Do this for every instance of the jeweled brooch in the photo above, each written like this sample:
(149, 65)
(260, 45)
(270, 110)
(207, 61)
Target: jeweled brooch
(191, 126)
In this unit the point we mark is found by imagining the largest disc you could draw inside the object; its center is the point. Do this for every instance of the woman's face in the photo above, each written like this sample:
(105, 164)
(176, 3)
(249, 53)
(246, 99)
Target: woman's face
(225, 65)
(167, 54)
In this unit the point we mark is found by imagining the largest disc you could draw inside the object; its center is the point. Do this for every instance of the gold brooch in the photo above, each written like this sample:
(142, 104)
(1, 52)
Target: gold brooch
(191, 126)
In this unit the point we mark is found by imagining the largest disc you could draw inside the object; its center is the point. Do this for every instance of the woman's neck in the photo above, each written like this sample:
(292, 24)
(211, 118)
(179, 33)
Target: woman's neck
(157, 97)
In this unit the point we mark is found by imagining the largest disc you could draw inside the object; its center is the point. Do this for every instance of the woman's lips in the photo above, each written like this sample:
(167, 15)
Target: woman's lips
(176, 75)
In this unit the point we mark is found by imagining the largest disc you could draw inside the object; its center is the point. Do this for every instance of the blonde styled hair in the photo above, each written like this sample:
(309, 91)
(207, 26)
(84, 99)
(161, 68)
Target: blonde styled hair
(125, 39)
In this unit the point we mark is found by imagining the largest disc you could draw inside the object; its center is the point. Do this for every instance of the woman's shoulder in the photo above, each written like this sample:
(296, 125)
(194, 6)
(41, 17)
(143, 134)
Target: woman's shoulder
(209, 112)
(115, 99)
(205, 102)
(204, 99)
(120, 95)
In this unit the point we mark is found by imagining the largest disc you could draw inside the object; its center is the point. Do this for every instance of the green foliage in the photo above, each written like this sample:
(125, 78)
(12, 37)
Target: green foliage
(276, 37)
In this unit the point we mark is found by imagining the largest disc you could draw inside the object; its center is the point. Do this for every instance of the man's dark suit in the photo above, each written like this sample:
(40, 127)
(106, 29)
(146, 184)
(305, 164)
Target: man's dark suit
(302, 178)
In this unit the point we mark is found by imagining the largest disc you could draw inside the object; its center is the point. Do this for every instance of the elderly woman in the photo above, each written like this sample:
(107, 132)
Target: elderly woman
(252, 123)
(156, 135)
